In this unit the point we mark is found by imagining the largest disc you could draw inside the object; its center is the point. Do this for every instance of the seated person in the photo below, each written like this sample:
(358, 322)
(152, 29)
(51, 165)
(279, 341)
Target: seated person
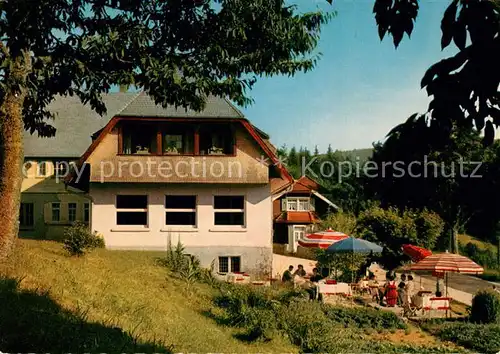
(287, 275)
(300, 271)
(315, 278)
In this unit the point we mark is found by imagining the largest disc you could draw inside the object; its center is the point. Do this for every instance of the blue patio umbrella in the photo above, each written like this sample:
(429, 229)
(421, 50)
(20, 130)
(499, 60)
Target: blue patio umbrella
(353, 245)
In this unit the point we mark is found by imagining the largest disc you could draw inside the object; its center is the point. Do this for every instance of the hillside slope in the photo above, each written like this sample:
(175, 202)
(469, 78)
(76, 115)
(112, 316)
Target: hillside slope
(106, 301)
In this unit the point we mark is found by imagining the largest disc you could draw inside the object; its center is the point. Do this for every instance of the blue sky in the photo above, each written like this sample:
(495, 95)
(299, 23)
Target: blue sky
(361, 87)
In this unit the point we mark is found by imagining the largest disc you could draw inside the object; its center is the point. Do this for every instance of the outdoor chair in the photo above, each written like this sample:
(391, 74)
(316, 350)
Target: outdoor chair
(410, 308)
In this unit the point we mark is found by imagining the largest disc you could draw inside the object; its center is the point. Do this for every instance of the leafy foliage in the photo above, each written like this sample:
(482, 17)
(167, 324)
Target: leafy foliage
(340, 221)
(486, 307)
(78, 239)
(364, 318)
(464, 86)
(485, 257)
(187, 267)
(480, 338)
(392, 229)
(179, 51)
(264, 314)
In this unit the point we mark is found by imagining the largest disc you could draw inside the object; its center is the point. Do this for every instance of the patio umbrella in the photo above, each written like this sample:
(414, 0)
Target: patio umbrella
(322, 239)
(354, 245)
(447, 262)
(416, 253)
(443, 263)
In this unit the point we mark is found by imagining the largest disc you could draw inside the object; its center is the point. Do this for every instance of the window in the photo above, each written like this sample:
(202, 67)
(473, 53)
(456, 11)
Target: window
(72, 212)
(229, 210)
(216, 140)
(56, 212)
(178, 139)
(62, 168)
(297, 204)
(26, 218)
(180, 210)
(86, 212)
(42, 169)
(139, 139)
(229, 264)
(132, 210)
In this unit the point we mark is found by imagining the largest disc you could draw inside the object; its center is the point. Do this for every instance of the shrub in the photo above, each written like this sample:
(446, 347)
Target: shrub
(392, 228)
(486, 307)
(481, 338)
(78, 239)
(340, 221)
(485, 257)
(186, 267)
(364, 318)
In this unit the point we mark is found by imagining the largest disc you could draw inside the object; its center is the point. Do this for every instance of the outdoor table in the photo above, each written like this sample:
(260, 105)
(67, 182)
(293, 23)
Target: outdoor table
(334, 289)
(439, 303)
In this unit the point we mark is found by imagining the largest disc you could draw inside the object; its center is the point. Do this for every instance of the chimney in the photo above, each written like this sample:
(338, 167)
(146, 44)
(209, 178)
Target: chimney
(123, 88)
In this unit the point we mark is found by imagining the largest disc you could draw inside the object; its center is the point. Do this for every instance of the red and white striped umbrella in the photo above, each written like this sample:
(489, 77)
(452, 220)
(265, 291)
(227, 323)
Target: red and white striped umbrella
(322, 239)
(447, 262)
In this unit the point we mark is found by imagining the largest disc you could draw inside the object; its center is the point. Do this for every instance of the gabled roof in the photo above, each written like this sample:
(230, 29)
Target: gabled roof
(303, 185)
(144, 106)
(75, 123)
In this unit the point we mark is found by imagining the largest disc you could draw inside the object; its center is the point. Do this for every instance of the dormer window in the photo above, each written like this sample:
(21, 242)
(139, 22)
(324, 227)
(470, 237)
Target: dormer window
(139, 139)
(297, 204)
(216, 140)
(175, 138)
(178, 139)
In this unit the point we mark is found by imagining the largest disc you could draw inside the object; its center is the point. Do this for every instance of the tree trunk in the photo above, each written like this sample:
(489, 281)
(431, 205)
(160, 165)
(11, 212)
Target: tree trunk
(453, 240)
(11, 152)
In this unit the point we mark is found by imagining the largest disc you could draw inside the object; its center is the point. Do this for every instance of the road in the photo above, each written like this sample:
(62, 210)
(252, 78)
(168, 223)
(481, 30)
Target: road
(460, 287)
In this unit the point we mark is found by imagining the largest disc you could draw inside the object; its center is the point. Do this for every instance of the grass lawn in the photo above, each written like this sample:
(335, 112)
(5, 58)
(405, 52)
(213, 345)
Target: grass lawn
(465, 239)
(489, 274)
(107, 301)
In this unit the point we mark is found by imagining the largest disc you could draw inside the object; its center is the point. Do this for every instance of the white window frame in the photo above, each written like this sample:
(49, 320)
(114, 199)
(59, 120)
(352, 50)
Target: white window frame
(182, 210)
(52, 208)
(24, 212)
(60, 166)
(229, 264)
(39, 169)
(132, 210)
(297, 201)
(230, 211)
(70, 211)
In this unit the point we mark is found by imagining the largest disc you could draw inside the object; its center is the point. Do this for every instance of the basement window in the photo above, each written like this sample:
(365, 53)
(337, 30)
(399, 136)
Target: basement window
(132, 210)
(229, 210)
(230, 264)
(180, 210)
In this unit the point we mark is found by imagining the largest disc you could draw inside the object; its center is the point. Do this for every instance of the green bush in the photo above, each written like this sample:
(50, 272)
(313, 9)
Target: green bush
(78, 239)
(486, 307)
(485, 257)
(481, 338)
(265, 313)
(186, 267)
(364, 318)
(490, 276)
(392, 228)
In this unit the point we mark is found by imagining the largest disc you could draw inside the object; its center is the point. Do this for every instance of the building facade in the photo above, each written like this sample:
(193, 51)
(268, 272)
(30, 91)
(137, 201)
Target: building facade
(147, 177)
